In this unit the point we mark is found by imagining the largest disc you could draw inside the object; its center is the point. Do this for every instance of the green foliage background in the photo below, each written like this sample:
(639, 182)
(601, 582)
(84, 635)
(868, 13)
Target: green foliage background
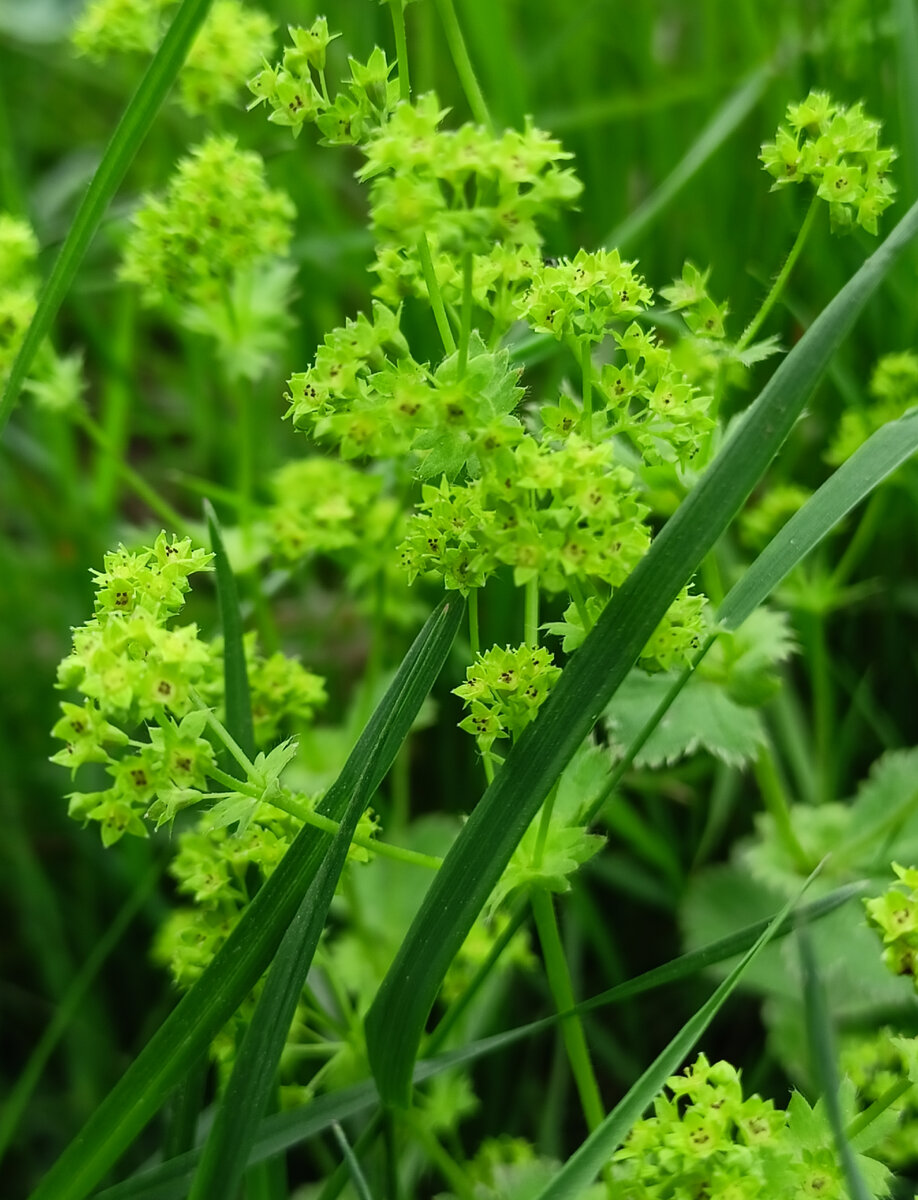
(630, 90)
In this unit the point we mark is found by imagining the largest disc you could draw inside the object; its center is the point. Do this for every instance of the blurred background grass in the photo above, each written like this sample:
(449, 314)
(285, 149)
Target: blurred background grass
(634, 91)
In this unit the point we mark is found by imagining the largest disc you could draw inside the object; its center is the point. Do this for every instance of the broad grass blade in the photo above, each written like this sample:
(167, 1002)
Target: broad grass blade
(126, 140)
(822, 1049)
(237, 697)
(585, 1164)
(170, 1181)
(202, 1012)
(254, 1074)
(396, 1020)
(728, 117)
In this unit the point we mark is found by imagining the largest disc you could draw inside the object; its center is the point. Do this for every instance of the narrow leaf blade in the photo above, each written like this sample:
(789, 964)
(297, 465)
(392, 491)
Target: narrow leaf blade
(130, 132)
(206, 1007)
(238, 698)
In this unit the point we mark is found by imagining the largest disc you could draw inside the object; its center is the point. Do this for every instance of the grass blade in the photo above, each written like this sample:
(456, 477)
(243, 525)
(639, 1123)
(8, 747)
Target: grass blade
(170, 1181)
(728, 117)
(248, 1092)
(203, 1010)
(395, 1022)
(855, 479)
(18, 1097)
(357, 1176)
(585, 1164)
(235, 675)
(129, 133)
(822, 1046)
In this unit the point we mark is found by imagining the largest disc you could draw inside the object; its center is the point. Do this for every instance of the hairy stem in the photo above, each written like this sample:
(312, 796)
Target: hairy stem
(779, 284)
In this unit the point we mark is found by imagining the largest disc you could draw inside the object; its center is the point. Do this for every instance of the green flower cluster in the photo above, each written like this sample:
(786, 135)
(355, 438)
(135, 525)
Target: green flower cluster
(131, 667)
(137, 673)
(894, 915)
(893, 389)
(580, 298)
(650, 401)
(18, 284)
(837, 151)
(875, 1062)
(705, 1139)
(472, 194)
(688, 296)
(217, 219)
(320, 506)
(550, 511)
(367, 405)
(230, 44)
(296, 92)
(504, 691)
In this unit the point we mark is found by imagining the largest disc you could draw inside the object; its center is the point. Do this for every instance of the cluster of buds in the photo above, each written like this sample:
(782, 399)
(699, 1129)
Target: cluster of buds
(504, 691)
(837, 151)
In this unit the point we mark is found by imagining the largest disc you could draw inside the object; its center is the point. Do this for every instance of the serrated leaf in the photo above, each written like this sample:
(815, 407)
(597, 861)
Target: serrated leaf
(702, 717)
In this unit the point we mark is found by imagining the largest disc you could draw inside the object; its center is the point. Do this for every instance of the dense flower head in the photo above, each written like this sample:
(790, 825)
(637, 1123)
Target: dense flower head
(296, 92)
(320, 506)
(581, 297)
(218, 218)
(894, 915)
(705, 1139)
(228, 47)
(837, 151)
(504, 690)
(548, 511)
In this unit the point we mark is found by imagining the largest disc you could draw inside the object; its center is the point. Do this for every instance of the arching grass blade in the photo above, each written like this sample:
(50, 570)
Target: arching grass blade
(126, 140)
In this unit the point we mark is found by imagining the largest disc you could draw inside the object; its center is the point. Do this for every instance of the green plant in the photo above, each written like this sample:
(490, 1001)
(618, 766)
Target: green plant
(564, 455)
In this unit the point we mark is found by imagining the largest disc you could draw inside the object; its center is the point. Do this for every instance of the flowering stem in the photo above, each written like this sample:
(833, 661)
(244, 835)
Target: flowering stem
(294, 806)
(576, 594)
(879, 1106)
(776, 802)
(474, 639)
(778, 286)
(436, 299)
(559, 981)
(465, 327)
(166, 513)
(544, 823)
(401, 48)
(531, 613)
(586, 364)
(463, 63)
(225, 737)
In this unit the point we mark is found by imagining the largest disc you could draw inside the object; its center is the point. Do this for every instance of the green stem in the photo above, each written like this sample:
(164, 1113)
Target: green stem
(463, 63)
(775, 798)
(544, 824)
(586, 366)
(823, 703)
(465, 326)
(225, 737)
(436, 298)
(401, 48)
(300, 809)
(166, 513)
(531, 613)
(576, 593)
(559, 981)
(778, 286)
(879, 1106)
(439, 1156)
(474, 638)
